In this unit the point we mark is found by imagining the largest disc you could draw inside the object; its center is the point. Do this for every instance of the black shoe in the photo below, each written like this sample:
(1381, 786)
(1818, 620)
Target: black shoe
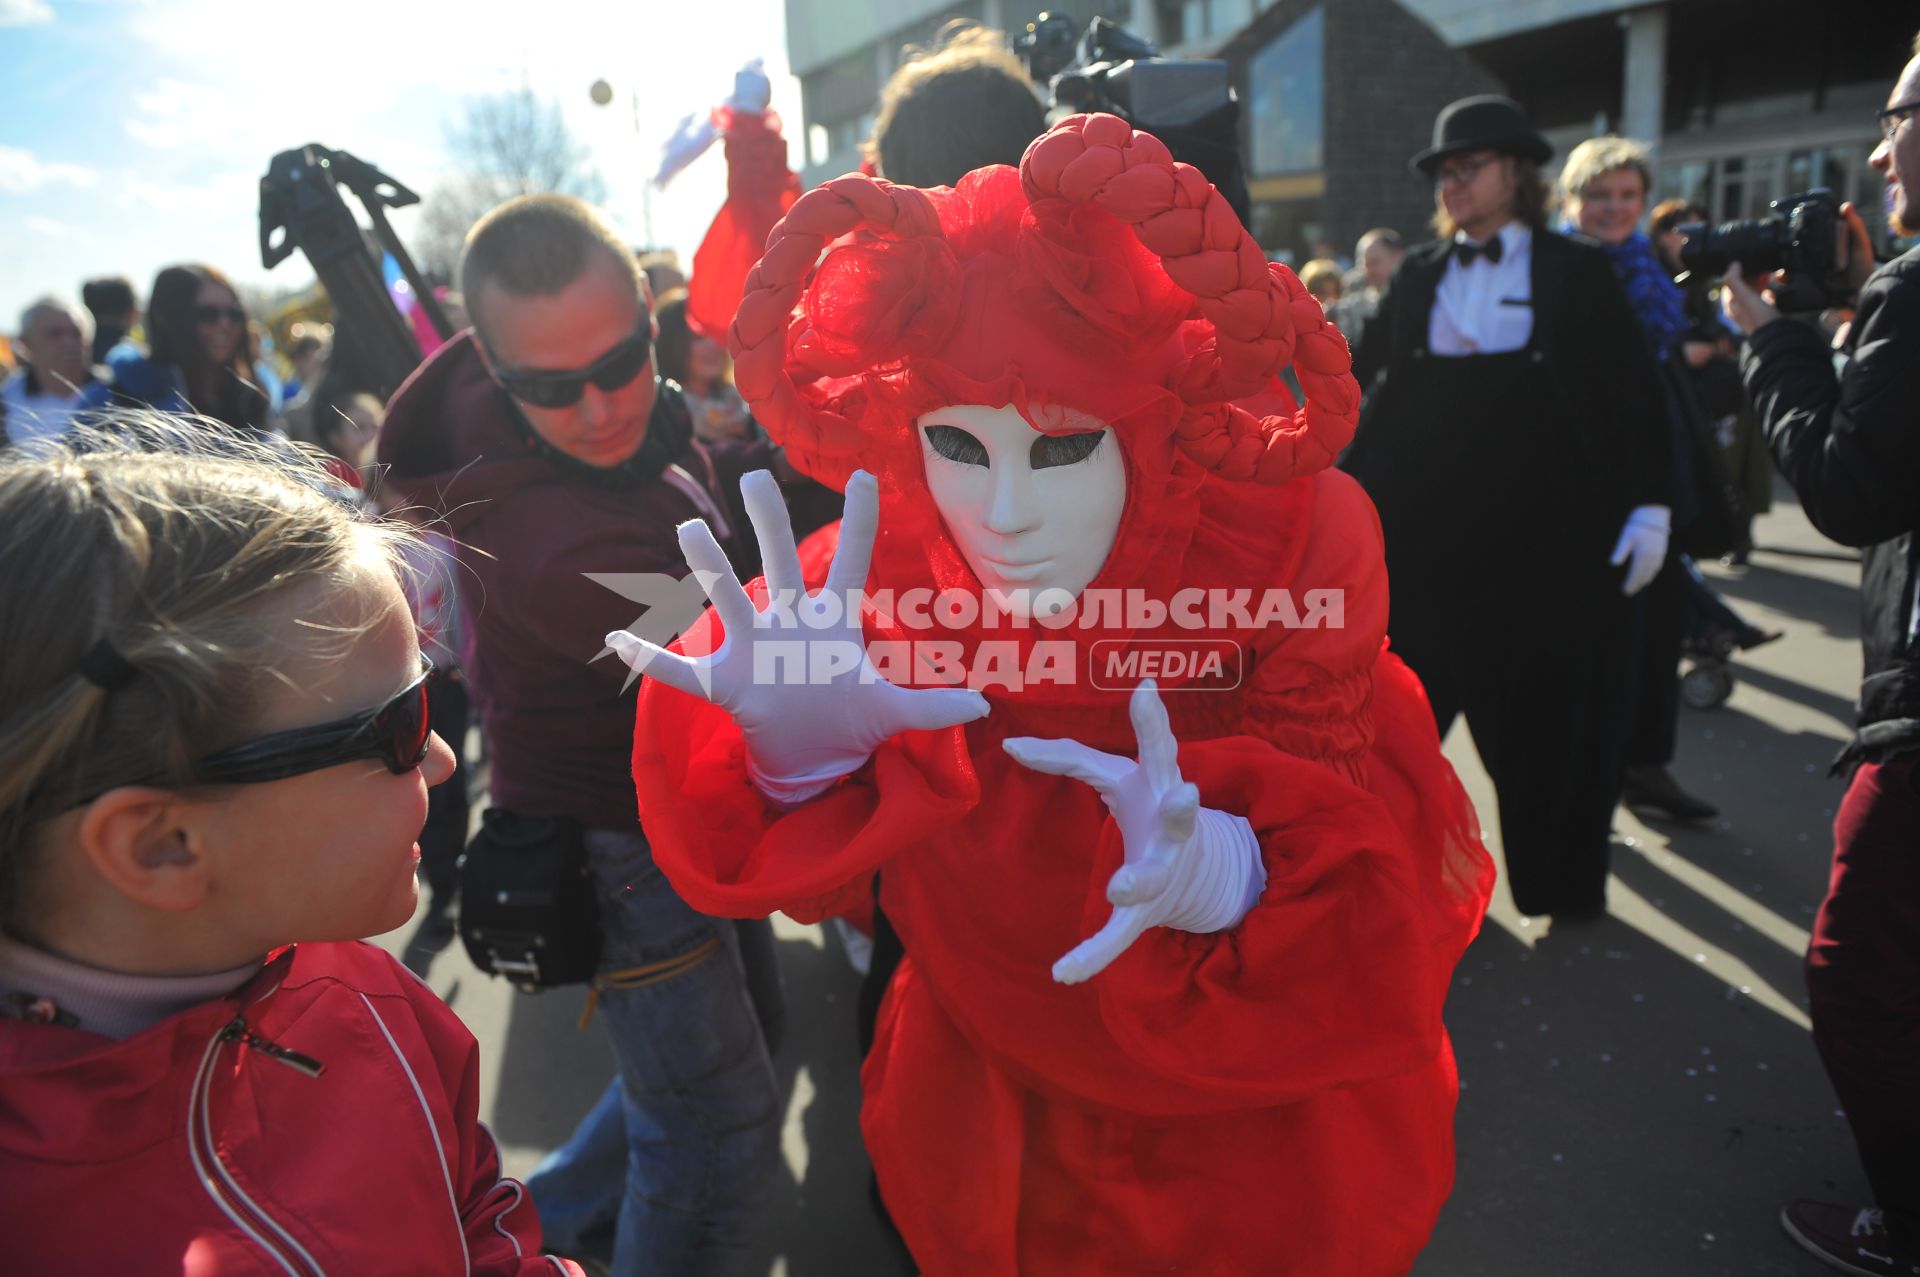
(1752, 636)
(1654, 787)
(1853, 1241)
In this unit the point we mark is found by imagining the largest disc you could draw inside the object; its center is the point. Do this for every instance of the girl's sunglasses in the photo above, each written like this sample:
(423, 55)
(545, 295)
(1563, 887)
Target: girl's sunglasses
(397, 734)
(610, 372)
(211, 315)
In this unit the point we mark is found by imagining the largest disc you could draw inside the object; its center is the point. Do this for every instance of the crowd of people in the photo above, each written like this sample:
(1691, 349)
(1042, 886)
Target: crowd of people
(1127, 951)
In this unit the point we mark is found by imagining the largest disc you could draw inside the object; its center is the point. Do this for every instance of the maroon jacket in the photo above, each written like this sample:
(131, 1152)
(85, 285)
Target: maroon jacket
(528, 527)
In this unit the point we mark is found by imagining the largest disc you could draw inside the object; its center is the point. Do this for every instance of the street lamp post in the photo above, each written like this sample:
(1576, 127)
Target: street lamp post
(602, 94)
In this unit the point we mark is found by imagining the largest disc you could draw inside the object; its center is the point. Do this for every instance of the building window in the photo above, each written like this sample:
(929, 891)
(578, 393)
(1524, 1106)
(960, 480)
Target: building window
(1286, 82)
(1184, 22)
(1742, 185)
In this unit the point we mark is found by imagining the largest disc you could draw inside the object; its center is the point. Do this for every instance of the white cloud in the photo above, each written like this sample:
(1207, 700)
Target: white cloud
(227, 194)
(54, 229)
(174, 113)
(25, 13)
(22, 171)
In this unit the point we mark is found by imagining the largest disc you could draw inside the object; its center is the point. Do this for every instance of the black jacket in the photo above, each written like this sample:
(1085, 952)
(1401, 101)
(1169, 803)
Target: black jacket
(1849, 443)
(1596, 443)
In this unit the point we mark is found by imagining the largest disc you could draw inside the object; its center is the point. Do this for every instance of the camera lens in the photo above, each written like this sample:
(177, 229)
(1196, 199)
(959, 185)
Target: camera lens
(1759, 244)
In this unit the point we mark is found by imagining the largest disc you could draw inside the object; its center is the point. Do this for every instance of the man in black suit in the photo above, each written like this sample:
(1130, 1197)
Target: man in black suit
(1514, 442)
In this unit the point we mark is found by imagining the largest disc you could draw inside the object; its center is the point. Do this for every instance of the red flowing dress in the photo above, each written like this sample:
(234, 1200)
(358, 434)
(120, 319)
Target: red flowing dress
(1276, 1098)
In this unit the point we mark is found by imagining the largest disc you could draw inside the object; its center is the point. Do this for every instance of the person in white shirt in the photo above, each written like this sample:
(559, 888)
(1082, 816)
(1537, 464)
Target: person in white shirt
(1512, 441)
(40, 399)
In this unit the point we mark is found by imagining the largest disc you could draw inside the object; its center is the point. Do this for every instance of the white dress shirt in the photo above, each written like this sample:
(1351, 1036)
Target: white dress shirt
(1485, 308)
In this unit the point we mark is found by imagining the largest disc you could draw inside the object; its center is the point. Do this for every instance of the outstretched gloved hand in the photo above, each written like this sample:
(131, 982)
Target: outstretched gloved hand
(1642, 546)
(1188, 867)
(808, 721)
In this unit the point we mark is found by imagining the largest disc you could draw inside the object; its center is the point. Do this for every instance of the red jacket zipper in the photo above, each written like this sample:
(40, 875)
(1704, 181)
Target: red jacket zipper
(227, 1194)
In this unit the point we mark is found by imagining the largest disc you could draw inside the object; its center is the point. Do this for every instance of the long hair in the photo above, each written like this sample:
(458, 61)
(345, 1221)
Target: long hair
(1529, 200)
(173, 336)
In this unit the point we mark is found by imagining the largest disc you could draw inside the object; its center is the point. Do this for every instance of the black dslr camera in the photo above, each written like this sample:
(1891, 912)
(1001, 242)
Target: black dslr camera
(1800, 237)
(1188, 104)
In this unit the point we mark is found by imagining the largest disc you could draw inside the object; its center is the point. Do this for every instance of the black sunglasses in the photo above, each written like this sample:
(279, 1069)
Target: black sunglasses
(1892, 118)
(397, 734)
(214, 314)
(610, 372)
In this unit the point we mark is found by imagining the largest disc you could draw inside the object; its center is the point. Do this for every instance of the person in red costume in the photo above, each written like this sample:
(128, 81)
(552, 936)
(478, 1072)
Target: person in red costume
(1176, 954)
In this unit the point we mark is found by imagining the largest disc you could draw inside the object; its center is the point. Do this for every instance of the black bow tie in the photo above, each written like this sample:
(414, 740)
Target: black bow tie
(1466, 250)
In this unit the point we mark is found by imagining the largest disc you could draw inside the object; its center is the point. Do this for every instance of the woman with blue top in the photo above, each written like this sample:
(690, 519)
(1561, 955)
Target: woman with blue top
(1604, 187)
(200, 358)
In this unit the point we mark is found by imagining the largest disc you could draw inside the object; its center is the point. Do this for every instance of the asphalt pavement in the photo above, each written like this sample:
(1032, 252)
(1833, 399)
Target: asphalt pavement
(1639, 1095)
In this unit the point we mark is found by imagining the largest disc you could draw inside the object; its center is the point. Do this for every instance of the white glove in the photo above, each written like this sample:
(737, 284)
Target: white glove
(690, 140)
(1187, 867)
(752, 91)
(1644, 541)
(804, 728)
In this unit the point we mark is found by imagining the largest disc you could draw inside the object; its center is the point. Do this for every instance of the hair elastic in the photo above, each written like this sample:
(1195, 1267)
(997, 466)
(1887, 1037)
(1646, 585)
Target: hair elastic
(105, 668)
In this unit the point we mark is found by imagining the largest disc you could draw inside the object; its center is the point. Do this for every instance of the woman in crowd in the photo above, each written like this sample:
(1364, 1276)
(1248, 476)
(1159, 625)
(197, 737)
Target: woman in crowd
(704, 372)
(1605, 183)
(1513, 442)
(201, 355)
(216, 761)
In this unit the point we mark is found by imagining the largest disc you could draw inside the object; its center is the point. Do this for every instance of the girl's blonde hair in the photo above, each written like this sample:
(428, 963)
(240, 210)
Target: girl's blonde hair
(168, 539)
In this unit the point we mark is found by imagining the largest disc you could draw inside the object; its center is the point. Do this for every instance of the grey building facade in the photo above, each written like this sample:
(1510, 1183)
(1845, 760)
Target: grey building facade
(1743, 101)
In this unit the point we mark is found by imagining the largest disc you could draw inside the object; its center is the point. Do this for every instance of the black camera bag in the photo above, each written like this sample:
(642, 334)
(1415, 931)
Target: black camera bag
(528, 912)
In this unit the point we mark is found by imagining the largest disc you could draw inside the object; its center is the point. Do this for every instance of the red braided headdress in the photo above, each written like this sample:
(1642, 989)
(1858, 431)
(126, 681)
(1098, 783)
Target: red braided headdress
(1108, 274)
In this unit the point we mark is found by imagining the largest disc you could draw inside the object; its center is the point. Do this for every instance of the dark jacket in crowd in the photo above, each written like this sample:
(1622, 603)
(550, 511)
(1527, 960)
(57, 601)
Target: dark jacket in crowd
(1849, 443)
(529, 527)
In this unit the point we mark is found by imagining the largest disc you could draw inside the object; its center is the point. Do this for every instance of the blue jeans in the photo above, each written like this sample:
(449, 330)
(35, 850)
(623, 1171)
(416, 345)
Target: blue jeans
(671, 1170)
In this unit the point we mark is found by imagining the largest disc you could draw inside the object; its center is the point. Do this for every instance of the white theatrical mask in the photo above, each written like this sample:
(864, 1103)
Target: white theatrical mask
(1030, 512)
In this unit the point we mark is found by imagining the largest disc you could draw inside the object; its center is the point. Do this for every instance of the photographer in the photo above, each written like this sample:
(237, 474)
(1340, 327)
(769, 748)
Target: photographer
(1850, 446)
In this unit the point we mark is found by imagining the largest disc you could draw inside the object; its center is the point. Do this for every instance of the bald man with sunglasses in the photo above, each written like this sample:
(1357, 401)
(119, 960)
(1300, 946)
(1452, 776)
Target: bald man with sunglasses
(555, 453)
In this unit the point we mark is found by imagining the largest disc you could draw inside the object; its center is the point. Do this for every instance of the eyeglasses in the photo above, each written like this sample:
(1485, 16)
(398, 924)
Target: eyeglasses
(1894, 116)
(397, 734)
(211, 315)
(610, 372)
(1460, 172)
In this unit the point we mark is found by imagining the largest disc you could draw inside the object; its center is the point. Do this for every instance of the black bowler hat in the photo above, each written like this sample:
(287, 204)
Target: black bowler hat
(1485, 123)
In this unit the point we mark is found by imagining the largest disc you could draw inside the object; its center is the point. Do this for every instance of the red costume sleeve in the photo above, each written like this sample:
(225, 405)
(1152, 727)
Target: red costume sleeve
(760, 190)
(727, 852)
(1376, 880)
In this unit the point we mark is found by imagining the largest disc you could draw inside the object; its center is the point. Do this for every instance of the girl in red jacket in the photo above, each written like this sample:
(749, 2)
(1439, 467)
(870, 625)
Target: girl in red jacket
(214, 760)
(1179, 869)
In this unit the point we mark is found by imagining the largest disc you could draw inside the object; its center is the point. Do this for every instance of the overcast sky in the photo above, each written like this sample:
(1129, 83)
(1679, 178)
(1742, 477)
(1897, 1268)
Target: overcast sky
(135, 131)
